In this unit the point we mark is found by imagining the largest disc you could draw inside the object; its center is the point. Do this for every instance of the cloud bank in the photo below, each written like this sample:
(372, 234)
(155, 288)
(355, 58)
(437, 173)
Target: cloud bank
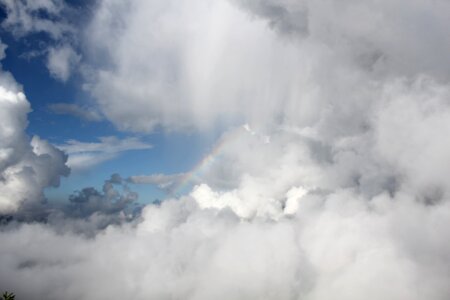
(335, 187)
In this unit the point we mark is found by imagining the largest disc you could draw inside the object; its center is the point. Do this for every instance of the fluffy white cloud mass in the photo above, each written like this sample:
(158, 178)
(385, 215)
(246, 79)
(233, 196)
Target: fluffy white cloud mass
(26, 167)
(199, 63)
(336, 187)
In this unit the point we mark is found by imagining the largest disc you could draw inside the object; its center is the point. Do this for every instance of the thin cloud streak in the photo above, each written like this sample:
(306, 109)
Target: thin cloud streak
(84, 155)
(84, 113)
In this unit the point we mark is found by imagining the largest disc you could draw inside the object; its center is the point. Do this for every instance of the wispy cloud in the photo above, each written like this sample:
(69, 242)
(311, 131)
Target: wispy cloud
(83, 155)
(84, 113)
(166, 182)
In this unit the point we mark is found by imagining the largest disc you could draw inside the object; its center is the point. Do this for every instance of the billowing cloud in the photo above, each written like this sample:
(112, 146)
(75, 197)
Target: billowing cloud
(183, 74)
(26, 166)
(86, 212)
(188, 77)
(108, 201)
(337, 246)
(335, 187)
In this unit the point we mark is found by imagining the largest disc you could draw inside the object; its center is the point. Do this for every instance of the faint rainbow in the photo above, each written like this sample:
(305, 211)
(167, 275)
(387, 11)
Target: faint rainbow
(206, 161)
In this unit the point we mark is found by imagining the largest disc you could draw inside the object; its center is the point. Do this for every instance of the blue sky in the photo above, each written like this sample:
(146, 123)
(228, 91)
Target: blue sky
(171, 152)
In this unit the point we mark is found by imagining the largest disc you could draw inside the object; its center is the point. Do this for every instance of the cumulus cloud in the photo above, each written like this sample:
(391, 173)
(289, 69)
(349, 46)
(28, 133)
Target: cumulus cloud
(335, 187)
(109, 201)
(84, 155)
(86, 212)
(89, 210)
(84, 113)
(26, 166)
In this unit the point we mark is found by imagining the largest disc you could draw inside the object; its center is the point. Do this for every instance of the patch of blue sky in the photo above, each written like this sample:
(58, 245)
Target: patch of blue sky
(171, 152)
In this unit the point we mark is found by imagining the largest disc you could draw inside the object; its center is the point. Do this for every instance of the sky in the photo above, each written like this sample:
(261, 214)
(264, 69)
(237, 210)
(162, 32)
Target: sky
(62, 111)
(226, 149)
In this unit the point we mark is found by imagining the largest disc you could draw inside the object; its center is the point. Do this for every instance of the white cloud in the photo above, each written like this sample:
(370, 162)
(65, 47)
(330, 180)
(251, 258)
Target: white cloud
(348, 200)
(341, 248)
(61, 62)
(26, 167)
(84, 155)
(26, 16)
(292, 57)
(184, 73)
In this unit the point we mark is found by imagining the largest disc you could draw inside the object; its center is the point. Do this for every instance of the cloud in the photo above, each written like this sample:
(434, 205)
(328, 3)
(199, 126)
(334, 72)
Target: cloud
(84, 113)
(83, 155)
(333, 248)
(27, 16)
(86, 212)
(189, 66)
(90, 210)
(335, 187)
(184, 73)
(162, 181)
(109, 201)
(27, 166)
(52, 19)
(61, 62)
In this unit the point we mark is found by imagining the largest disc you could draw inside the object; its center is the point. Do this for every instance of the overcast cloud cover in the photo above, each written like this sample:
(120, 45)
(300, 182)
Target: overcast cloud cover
(335, 187)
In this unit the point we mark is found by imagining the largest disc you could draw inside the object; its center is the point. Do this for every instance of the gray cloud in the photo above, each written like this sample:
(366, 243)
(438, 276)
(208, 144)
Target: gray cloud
(86, 212)
(289, 17)
(165, 182)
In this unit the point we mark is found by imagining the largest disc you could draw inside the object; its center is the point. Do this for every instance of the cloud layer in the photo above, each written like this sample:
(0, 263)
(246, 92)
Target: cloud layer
(335, 187)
